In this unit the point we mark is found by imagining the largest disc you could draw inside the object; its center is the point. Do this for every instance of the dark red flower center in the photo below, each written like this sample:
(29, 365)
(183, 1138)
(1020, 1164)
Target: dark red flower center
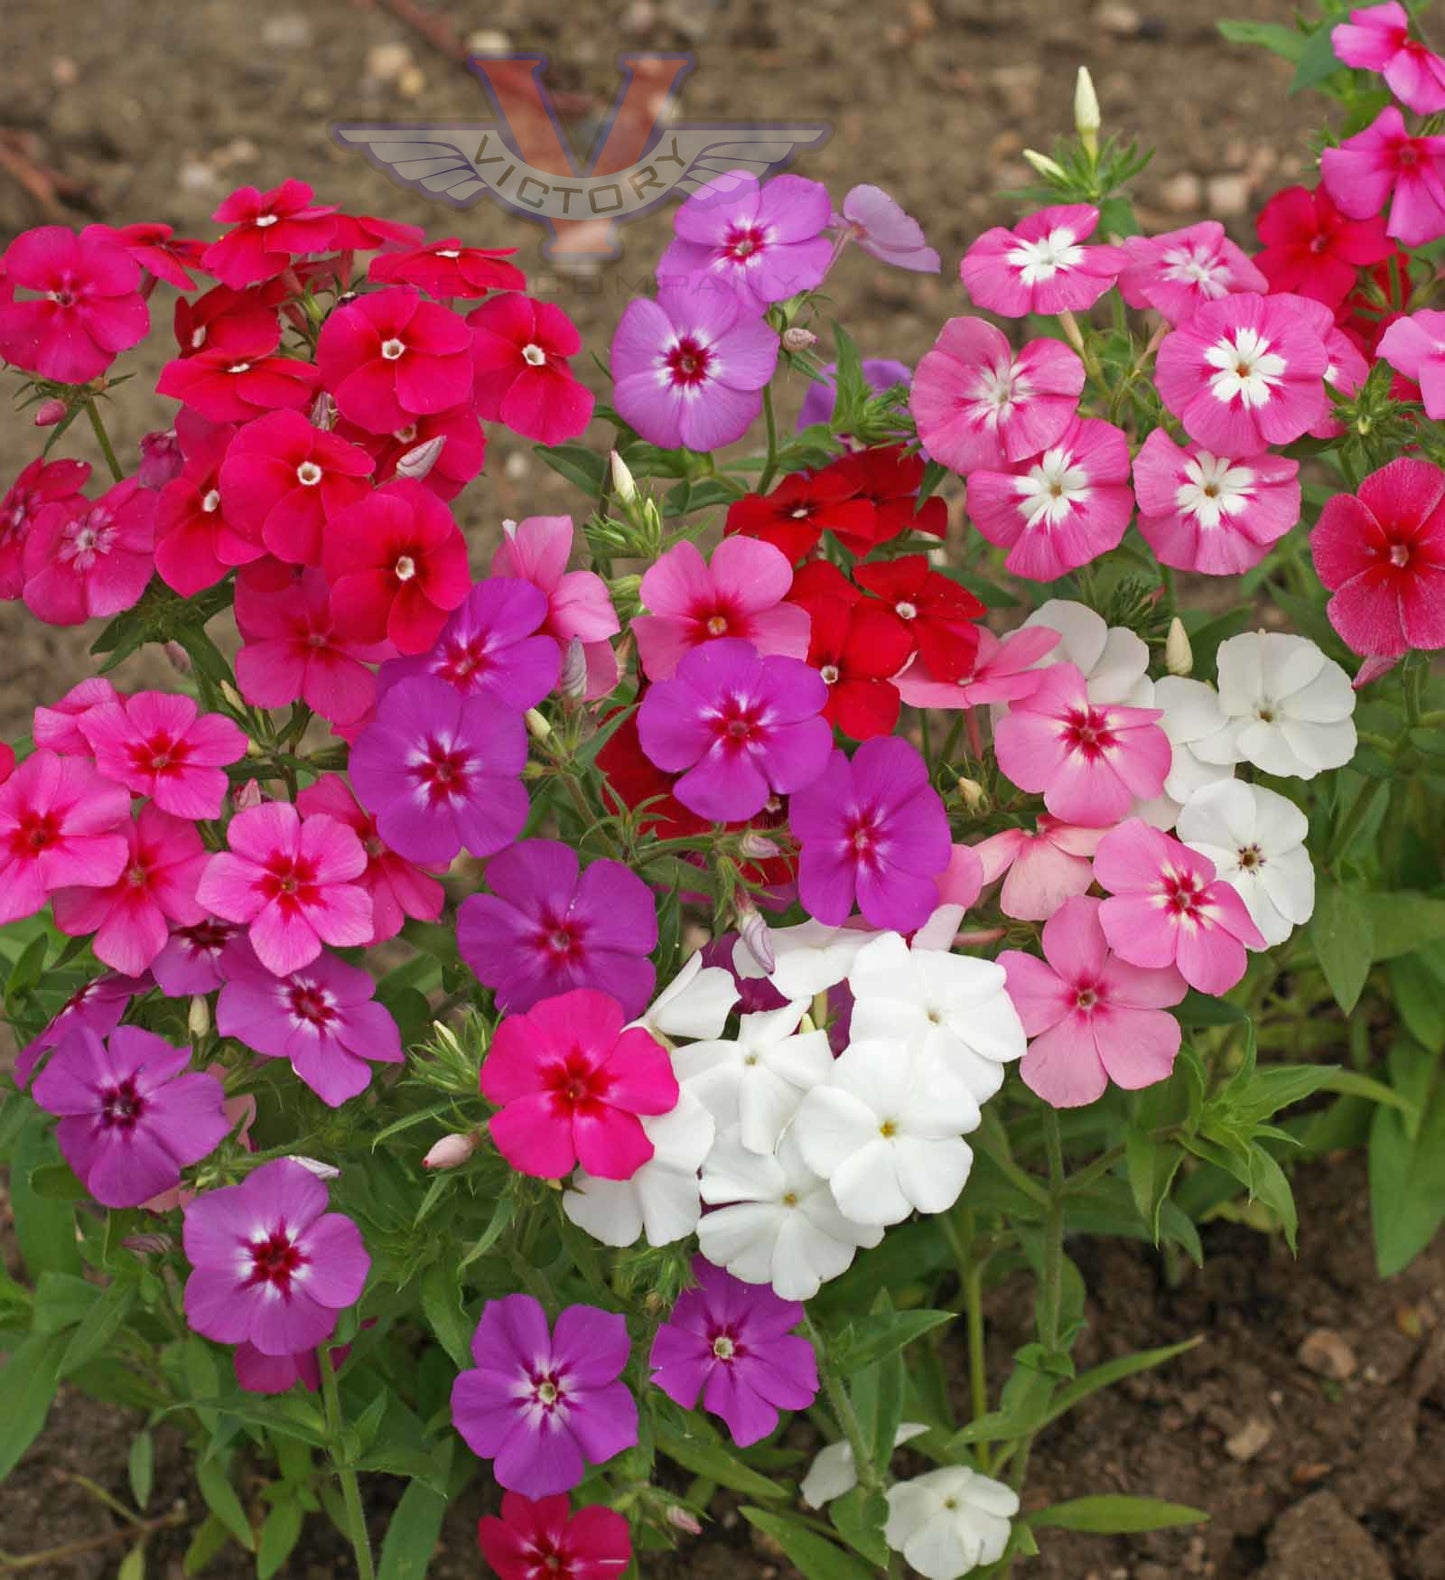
(206, 938)
(34, 832)
(688, 361)
(1183, 891)
(737, 725)
(725, 1344)
(275, 1260)
(461, 660)
(1087, 730)
(159, 754)
(744, 242)
(548, 1391)
(310, 1003)
(291, 882)
(121, 1106)
(575, 1081)
(444, 771)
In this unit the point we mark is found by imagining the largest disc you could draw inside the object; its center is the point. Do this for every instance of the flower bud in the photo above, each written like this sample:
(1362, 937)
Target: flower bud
(757, 847)
(323, 412)
(537, 725)
(572, 680)
(798, 338)
(322, 1171)
(161, 460)
(148, 1244)
(247, 796)
(972, 795)
(234, 697)
(198, 1016)
(1086, 111)
(623, 485)
(417, 462)
(450, 1152)
(49, 412)
(1178, 655)
(178, 658)
(753, 931)
(1050, 169)
(681, 1520)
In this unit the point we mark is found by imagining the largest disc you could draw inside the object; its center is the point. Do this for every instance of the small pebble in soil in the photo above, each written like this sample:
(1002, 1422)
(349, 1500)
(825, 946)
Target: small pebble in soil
(1251, 1439)
(1182, 193)
(1325, 1353)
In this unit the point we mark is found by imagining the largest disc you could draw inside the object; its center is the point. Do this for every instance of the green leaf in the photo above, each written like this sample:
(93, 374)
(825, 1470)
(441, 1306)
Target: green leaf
(501, 1218)
(1273, 36)
(814, 1556)
(222, 1501)
(210, 1538)
(278, 1537)
(1116, 1514)
(1343, 934)
(1111, 1372)
(99, 1326)
(582, 467)
(412, 1536)
(141, 1467)
(1407, 1183)
(1418, 995)
(1151, 1166)
(1404, 921)
(133, 1565)
(1317, 61)
(705, 1458)
(879, 1335)
(859, 1518)
(1199, 1009)
(45, 1229)
(27, 1387)
(441, 1300)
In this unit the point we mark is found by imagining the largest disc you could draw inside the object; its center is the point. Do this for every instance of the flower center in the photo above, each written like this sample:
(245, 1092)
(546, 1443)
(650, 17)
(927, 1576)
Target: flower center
(724, 1347)
(34, 832)
(830, 673)
(1087, 730)
(1086, 998)
(687, 362)
(1251, 858)
(717, 625)
(308, 474)
(1399, 555)
(1041, 260)
(405, 568)
(265, 221)
(444, 771)
(393, 350)
(533, 355)
(291, 882)
(1183, 892)
(309, 1003)
(547, 1391)
(744, 242)
(121, 1106)
(239, 367)
(212, 502)
(1249, 372)
(275, 1260)
(906, 611)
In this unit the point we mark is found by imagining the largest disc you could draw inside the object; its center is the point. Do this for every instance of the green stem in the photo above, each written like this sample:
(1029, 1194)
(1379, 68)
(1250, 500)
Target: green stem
(340, 1461)
(844, 1413)
(771, 464)
(1051, 1288)
(102, 438)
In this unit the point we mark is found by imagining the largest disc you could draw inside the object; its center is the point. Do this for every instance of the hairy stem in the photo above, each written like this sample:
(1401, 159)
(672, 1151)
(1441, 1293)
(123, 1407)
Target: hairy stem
(102, 438)
(340, 1462)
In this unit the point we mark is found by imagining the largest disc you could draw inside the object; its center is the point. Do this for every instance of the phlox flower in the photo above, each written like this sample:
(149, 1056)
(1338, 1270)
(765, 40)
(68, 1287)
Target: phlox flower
(873, 832)
(441, 771)
(1255, 838)
(1377, 38)
(240, 383)
(85, 309)
(1414, 345)
(808, 959)
(57, 726)
(277, 1374)
(130, 918)
(491, 646)
(397, 564)
(548, 927)
(1312, 249)
(1168, 908)
(1191, 714)
(736, 726)
(1244, 373)
(572, 1085)
(96, 1005)
(196, 541)
(738, 593)
(159, 744)
(397, 888)
(269, 1265)
(61, 826)
(938, 613)
(690, 367)
(579, 607)
(857, 645)
(662, 1199)
(1061, 509)
(132, 1115)
(446, 268)
(462, 452)
(886, 1131)
(834, 1472)
(1386, 163)
(1287, 708)
(1178, 272)
(544, 1404)
(952, 1007)
(292, 881)
(200, 956)
(1040, 868)
(732, 1345)
(267, 230)
(1091, 1017)
(1113, 660)
(520, 352)
(1381, 552)
(1041, 265)
(793, 516)
(1005, 668)
(774, 1221)
(695, 1004)
(978, 404)
(296, 649)
(762, 242)
(1089, 761)
(392, 356)
(1207, 513)
(221, 319)
(1346, 369)
(88, 558)
(284, 482)
(950, 1521)
(42, 483)
(884, 231)
(546, 1541)
(321, 1018)
(156, 248)
(756, 1080)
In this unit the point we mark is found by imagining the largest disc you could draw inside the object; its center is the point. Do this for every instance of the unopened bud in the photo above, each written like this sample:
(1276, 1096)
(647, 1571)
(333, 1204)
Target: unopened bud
(178, 658)
(1050, 169)
(450, 1152)
(753, 931)
(322, 1171)
(681, 1520)
(537, 725)
(417, 462)
(572, 679)
(623, 485)
(798, 339)
(1086, 111)
(246, 796)
(757, 847)
(323, 412)
(148, 1244)
(234, 697)
(198, 1017)
(1178, 655)
(161, 460)
(972, 794)
(49, 412)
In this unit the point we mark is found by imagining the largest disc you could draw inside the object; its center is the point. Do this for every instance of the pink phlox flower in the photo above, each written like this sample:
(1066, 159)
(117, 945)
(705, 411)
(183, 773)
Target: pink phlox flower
(1210, 513)
(1168, 908)
(1041, 265)
(542, 1404)
(1089, 761)
(739, 593)
(1091, 1017)
(200, 956)
(239, 382)
(1178, 272)
(1061, 509)
(977, 403)
(61, 826)
(882, 229)
(734, 1345)
(88, 558)
(269, 1265)
(547, 927)
(445, 269)
(42, 483)
(159, 744)
(1244, 373)
(1347, 368)
(1377, 38)
(156, 248)
(132, 1115)
(95, 1006)
(1386, 163)
(873, 833)
(268, 229)
(1004, 670)
(1415, 346)
(579, 606)
(292, 881)
(570, 1085)
(1040, 868)
(462, 454)
(57, 726)
(322, 1018)
(131, 918)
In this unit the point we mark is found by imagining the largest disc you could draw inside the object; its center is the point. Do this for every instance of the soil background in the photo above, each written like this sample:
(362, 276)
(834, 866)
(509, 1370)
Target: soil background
(123, 110)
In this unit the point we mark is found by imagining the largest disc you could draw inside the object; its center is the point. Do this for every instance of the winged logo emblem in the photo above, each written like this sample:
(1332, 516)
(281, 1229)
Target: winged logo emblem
(523, 161)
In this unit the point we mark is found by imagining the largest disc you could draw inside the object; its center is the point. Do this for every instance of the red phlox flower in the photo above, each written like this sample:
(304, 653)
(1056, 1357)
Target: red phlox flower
(86, 558)
(938, 613)
(197, 542)
(520, 352)
(546, 1541)
(239, 381)
(365, 233)
(157, 249)
(246, 322)
(446, 269)
(42, 483)
(888, 478)
(1312, 249)
(857, 646)
(267, 230)
(461, 457)
(794, 516)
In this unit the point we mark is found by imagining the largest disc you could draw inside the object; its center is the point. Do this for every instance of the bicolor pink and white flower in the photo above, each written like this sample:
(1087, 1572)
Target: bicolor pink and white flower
(1041, 265)
(1178, 272)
